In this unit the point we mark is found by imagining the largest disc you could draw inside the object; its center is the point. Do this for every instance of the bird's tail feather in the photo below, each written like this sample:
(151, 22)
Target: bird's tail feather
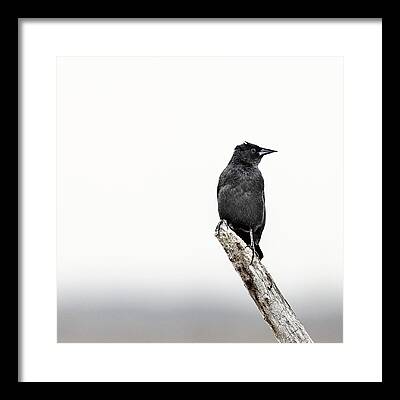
(259, 252)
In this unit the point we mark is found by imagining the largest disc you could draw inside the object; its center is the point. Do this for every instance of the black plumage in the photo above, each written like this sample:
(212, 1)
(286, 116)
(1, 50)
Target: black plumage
(240, 193)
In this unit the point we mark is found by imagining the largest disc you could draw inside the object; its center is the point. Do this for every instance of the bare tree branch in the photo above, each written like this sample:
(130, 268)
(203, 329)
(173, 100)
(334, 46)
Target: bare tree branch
(274, 308)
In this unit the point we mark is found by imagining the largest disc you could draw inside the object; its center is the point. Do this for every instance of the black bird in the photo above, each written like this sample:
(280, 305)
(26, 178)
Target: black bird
(240, 192)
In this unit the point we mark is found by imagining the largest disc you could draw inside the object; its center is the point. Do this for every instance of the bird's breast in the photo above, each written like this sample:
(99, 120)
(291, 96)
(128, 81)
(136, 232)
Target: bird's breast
(241, 201)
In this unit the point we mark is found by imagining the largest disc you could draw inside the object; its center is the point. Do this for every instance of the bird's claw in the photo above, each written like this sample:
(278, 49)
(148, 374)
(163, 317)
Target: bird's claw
(252, 257)
(218, 228)
(253, 253)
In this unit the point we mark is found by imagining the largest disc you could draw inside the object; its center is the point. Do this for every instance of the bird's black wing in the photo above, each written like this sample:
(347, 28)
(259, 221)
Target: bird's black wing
(258, 232)
(261, 228)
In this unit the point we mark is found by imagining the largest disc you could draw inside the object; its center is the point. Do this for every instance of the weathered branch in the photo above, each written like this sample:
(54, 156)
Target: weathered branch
(274, 308)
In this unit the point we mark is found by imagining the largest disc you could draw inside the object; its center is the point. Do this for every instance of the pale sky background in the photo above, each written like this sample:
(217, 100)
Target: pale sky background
(141, 142)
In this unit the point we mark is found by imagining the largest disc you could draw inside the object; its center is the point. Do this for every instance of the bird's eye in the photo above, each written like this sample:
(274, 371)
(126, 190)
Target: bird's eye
(253, 150)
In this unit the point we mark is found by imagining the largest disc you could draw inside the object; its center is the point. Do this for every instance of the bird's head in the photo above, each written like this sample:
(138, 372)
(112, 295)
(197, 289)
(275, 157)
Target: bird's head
(248, 153)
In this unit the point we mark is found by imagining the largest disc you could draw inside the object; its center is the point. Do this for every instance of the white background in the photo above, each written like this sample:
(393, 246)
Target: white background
(359, 44)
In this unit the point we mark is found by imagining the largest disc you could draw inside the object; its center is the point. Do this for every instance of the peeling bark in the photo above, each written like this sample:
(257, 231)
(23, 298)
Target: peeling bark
(274, 308)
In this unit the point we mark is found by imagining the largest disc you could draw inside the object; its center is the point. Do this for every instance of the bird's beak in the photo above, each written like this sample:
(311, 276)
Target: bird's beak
(263, 152)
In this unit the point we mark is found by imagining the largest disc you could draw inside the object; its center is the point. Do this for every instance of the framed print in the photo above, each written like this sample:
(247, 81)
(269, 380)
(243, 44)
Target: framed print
(149, 144)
